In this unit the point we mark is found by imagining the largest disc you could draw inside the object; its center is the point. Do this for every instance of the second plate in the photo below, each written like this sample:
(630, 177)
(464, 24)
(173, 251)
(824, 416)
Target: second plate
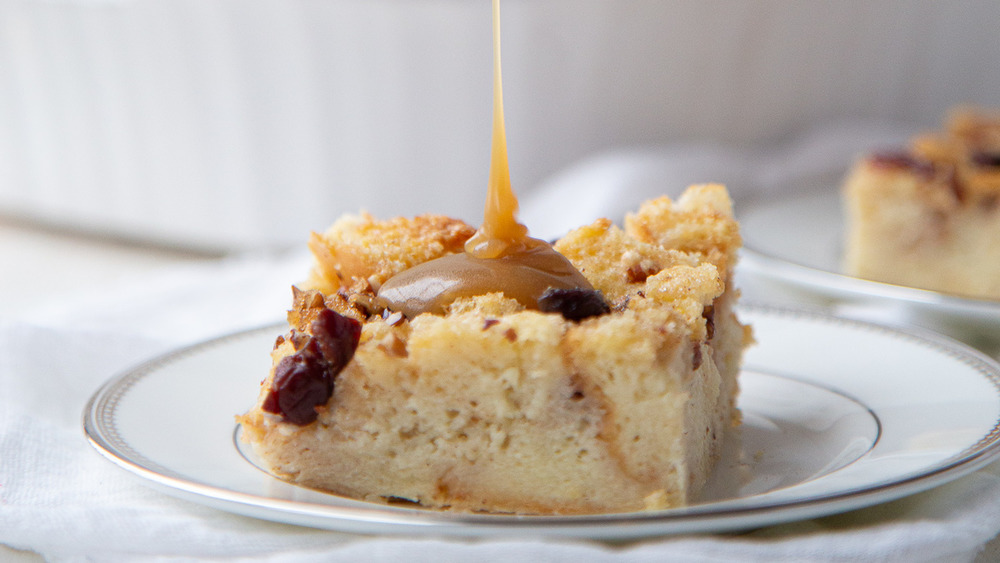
(795, 242)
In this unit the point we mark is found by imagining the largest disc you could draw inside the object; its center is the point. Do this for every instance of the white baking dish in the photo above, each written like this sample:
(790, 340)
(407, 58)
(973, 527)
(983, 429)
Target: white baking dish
(240, 123)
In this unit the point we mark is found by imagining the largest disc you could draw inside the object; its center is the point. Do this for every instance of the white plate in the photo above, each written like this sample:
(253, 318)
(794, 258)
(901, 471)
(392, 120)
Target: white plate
(838, 415)
(796, 240)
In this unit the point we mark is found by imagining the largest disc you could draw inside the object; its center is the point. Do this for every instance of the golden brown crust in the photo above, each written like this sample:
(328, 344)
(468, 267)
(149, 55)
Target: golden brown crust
(700, 222)
(615, 263)
(359, 252)
(963, 151)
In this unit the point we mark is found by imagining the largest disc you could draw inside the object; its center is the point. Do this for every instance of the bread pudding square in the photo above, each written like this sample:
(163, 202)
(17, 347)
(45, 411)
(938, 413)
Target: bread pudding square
(496, 407)
(929, 216)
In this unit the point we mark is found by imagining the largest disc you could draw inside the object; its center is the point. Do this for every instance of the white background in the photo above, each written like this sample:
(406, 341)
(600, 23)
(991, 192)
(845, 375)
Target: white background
(238, 123)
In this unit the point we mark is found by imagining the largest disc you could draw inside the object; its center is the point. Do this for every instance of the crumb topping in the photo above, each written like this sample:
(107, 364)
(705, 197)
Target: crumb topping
(965, 155)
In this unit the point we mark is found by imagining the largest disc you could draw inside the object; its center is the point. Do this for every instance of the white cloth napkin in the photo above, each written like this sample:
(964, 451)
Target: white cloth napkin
(60, 499)
(612, 183)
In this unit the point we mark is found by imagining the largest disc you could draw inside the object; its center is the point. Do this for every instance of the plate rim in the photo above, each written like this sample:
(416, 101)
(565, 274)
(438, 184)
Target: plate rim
(691, 519)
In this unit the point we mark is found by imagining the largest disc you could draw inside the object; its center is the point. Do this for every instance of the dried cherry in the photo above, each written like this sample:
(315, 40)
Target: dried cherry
(305, 380)
(904, 161)
(337, 336)
(986, 159)
(573, 304)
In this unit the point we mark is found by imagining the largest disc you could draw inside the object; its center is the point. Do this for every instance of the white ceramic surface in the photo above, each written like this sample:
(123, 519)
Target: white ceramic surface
(838, 415)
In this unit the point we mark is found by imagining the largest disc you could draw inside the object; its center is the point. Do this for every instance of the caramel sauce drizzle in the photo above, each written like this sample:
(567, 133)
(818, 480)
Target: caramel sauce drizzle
(500, 230)
(500, 257)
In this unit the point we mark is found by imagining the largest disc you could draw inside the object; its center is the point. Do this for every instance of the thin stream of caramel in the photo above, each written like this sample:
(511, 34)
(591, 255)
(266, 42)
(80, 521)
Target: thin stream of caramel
(500, 257)
(500, 230)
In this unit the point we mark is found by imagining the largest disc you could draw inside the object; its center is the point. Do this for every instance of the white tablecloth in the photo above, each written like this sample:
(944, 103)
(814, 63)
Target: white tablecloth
(60, 499)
